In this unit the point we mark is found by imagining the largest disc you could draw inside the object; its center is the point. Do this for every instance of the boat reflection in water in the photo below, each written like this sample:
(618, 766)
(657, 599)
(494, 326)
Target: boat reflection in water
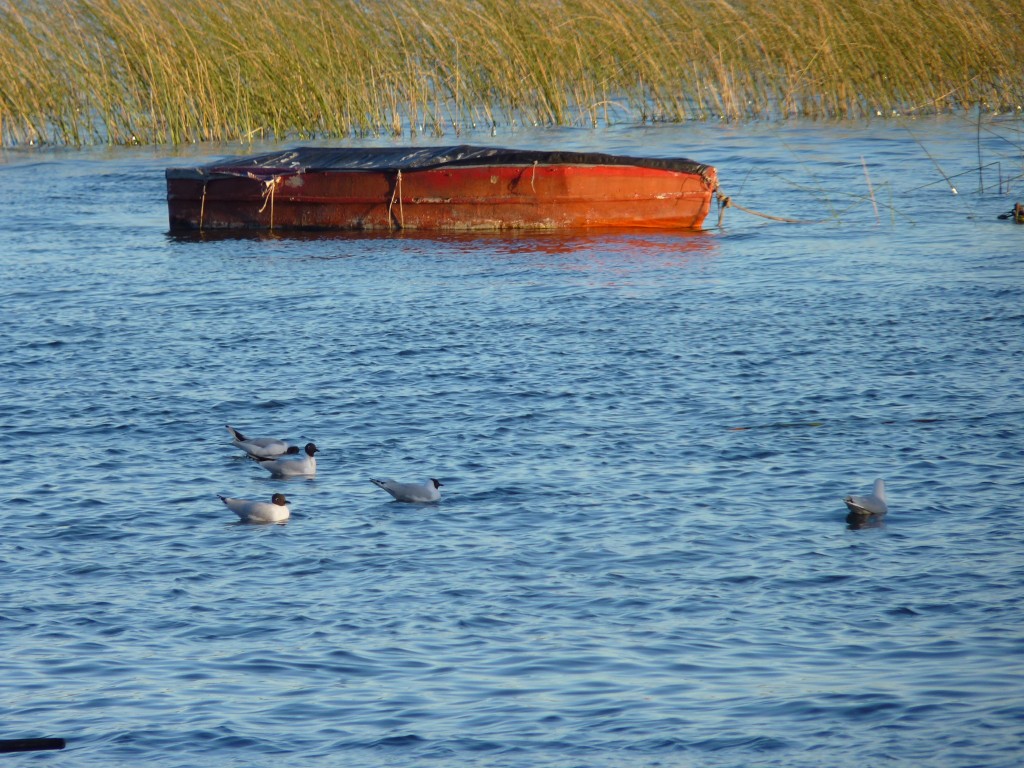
(608, 252)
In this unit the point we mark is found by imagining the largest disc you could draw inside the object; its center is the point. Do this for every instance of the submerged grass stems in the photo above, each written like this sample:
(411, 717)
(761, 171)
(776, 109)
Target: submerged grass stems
(150, 71)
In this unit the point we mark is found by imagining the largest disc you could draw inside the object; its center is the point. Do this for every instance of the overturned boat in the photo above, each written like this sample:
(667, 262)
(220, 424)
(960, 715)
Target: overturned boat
(449, 188)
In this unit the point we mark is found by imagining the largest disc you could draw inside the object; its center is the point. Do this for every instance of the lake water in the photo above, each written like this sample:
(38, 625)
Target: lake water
(641, 557)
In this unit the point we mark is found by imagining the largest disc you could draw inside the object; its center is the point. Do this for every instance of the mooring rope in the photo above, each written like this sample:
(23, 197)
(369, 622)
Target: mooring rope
(397, 192)
(202, 207)
(269, 187)
(724, 201)
(401, 208)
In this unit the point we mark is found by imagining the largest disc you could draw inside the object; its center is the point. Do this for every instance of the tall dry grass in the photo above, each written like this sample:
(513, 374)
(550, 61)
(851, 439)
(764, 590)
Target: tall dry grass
(156, 71)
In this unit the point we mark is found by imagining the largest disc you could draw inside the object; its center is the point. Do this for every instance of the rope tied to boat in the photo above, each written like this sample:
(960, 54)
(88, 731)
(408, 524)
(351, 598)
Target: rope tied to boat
(724, 201)
(269, 188)
(202, 206)
(397, 192)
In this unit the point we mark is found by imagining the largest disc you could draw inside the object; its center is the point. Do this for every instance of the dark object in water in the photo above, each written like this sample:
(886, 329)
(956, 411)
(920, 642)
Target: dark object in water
(439, 188)
(30, 745)
(1017, 213)
(856, 522)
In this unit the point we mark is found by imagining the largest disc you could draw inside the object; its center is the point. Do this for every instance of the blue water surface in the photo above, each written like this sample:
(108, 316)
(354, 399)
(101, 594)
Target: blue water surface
(642, 557)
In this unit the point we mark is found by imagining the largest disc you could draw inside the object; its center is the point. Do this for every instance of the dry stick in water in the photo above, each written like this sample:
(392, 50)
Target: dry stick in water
(871, 191)
(981, 181)
(934, 162)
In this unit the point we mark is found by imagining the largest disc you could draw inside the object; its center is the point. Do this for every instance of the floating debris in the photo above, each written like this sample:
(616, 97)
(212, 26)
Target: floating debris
(1016, 213)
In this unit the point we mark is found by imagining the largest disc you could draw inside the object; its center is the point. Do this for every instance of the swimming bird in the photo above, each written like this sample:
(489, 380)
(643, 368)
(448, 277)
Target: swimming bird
(873, 504)
(292, 465)
(261, 447)
(274, 511)
(416, 493)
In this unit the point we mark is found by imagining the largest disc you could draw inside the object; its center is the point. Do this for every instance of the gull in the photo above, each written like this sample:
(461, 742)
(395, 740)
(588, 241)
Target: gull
(274, 511)
(411, 492)
(873, 504)
(292, 465)
(260, 447)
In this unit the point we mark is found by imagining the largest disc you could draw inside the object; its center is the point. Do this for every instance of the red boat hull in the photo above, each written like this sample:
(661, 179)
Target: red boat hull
(459, 198)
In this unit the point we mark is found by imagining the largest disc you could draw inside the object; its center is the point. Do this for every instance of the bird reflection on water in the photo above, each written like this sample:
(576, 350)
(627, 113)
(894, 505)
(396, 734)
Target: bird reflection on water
(856, 522)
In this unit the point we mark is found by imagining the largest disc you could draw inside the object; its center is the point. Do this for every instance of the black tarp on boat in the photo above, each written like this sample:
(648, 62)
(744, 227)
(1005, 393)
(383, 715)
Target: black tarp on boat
(390, 159)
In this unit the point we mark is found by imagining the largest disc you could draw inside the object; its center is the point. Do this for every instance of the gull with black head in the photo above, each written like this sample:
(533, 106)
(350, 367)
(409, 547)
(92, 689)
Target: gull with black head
(415, 493)
(261, 447)
(274, 511)
(298, 465)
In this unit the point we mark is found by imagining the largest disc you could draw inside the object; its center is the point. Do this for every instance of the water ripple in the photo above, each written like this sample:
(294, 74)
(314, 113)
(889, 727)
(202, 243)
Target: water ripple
(642, 556)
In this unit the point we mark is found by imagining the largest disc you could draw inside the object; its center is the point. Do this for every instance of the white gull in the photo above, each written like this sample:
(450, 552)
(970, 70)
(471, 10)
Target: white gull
(416, 493)
(872, 504)
(292, 465)
(260, 447)
(274, 511)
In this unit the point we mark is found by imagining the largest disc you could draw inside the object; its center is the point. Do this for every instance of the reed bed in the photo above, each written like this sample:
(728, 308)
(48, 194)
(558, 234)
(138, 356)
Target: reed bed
(155, 71)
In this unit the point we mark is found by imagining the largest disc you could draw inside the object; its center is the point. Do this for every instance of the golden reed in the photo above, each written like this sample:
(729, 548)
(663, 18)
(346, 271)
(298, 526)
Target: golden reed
(155, 71)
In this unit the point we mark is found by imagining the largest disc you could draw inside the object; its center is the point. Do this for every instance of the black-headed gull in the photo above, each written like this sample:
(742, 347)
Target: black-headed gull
(292, 465)
(261, 447)
(273, 511)
(873, 504)
(416, 493)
